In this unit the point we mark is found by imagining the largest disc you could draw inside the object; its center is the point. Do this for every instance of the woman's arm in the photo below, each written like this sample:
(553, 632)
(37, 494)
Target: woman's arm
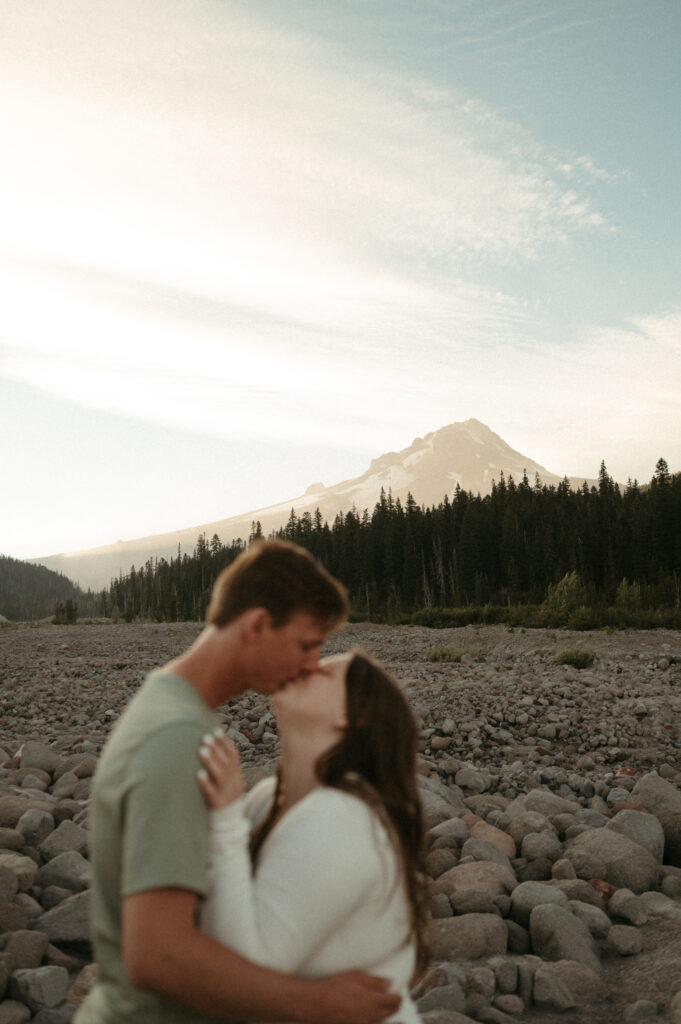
(318, 865)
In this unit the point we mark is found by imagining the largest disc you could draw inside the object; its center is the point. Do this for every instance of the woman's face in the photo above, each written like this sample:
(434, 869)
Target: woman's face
(315, 703)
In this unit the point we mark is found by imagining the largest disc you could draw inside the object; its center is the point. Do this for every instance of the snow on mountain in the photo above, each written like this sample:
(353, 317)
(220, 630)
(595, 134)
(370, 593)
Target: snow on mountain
(468, 454)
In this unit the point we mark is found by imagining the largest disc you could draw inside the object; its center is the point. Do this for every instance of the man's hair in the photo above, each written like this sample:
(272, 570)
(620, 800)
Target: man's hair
(282, 578)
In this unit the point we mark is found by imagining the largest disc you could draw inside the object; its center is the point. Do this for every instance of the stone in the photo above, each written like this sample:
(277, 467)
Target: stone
(40, 987)
(528, 895)
(445, 997)
(471, 778)
(440, 905)
(627, 864)
(35, 825)
(510, 1004)
(470, 937)
(596, 920)
(625, 940)
(452, 827)
(439, 861)
(67, 870)
(484, 875)
(24, 868)
(473, 901)
(480, 849)
(662, 799)
(446, 1017)
(38, 755)
(69, 922)
(586, 865)
(557, 934)
(626, 905)
(480, 829)
(518, 938)
(13, 807)
(643, 828)
(566, 983)
(563, 869)
(11, 839)
(578, 889)
(12, 917)
(65, 838)
(657, 904)
(26, 948)
(9, 884)
(541, 845)
(505, 973)
(14, 1012)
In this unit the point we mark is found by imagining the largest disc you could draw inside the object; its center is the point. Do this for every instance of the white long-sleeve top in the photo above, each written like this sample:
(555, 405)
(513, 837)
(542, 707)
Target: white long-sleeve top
(327, 896)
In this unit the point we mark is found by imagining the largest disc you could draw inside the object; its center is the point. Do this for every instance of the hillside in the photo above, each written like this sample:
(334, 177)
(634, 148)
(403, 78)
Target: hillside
(29, 592)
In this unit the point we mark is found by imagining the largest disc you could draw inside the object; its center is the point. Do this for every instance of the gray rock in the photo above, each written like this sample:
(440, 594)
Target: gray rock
(12, 917)
(440, 905)
(541, 845)
(627, 864)
(26, 948)
(643, 828)
(9, 884)
(625, 940)
(483, 875)
(66, 786)
(468, 937)
(11, 839)
(528, 895)
(35, 825)
(557, 934)
(480, 849)
(445, 997)
(39, 755)
(566, 983)
(69, 922)
(578, 889)
(40, 987)
(67, 870)
(471, 778)
(518, 938)
(623, 903)
(662, 799)
(596, 920)
(13, 1012)
(474, 901)
(24, 868)
(657, 904)
(452, 827)
(446, 1017)
(505, 973)
(65, 838)
(586, 865)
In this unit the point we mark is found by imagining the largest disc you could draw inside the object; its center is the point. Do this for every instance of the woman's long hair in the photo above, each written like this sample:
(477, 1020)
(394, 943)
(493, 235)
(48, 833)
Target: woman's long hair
(375, 759)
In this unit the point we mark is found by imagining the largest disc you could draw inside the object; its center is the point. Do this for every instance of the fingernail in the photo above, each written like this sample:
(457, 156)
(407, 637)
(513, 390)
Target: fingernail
(202, 774)
(218, 731)
(205, 751)
(208, 738)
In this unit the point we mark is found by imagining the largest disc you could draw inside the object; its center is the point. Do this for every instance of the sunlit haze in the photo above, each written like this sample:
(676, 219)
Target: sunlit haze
(250, 245)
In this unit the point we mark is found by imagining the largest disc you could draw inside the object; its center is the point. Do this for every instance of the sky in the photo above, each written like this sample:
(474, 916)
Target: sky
(248, 245)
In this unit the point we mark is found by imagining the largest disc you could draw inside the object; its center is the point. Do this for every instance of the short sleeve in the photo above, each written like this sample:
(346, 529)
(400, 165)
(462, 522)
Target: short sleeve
(165, 823)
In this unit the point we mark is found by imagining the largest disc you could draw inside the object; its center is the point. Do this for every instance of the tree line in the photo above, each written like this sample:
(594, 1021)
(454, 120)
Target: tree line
(523, 545)
(29, 592)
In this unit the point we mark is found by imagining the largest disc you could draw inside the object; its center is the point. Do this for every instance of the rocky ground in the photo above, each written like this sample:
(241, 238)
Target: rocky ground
(553, 797)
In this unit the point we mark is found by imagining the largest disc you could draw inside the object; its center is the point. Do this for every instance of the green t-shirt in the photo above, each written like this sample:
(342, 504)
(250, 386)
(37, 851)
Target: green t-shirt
(149, 830)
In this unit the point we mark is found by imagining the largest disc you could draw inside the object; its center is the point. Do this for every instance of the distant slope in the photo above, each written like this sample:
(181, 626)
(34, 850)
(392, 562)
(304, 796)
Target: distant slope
(29, 592)
(468, 454)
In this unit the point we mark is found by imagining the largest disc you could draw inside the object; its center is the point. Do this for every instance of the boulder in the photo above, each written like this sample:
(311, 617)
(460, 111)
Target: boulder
(480, 829)
(67, 870)
(40, 987)
(627, 864)
(69, 922)
(566, 983)
(468, 937)
(557, 934)
(528, 895)
(662, 799)
(643, 828)
(67, 837)
(491, 878)
(38, 755)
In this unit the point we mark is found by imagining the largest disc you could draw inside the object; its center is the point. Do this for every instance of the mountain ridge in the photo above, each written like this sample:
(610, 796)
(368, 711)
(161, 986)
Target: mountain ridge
(468, 454)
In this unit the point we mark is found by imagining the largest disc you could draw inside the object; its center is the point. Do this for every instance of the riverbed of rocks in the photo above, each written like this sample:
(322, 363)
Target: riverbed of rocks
(552, 796)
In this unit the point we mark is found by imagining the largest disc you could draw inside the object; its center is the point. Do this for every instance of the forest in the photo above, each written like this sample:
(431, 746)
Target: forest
(29, 592)
(527, 554)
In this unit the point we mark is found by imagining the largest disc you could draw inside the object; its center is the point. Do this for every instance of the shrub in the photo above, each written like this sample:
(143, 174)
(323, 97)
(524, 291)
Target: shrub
(578, 657)
(445, 654)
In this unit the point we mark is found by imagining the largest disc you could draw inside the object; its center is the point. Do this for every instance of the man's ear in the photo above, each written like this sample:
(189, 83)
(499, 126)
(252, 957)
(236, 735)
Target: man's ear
(254, 622)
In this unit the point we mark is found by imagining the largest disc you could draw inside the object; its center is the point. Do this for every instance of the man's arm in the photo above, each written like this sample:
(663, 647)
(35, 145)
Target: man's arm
(165, 952)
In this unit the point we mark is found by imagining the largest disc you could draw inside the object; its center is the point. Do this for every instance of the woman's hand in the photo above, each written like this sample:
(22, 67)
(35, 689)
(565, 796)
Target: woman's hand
(220, 778)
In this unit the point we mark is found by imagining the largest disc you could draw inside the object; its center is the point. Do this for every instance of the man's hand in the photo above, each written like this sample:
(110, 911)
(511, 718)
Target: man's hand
(354, 998)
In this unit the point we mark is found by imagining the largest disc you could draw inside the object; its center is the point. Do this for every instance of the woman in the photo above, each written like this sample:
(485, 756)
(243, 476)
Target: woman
(337, 836)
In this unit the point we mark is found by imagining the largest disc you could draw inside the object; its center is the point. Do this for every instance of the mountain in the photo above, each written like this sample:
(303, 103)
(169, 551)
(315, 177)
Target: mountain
(468, 454)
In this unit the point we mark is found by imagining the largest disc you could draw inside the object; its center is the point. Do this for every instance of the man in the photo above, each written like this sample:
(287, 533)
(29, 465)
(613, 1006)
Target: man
(270, 613)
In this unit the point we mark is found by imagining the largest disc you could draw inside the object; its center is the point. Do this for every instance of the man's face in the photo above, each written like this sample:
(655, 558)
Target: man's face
(289, 651)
